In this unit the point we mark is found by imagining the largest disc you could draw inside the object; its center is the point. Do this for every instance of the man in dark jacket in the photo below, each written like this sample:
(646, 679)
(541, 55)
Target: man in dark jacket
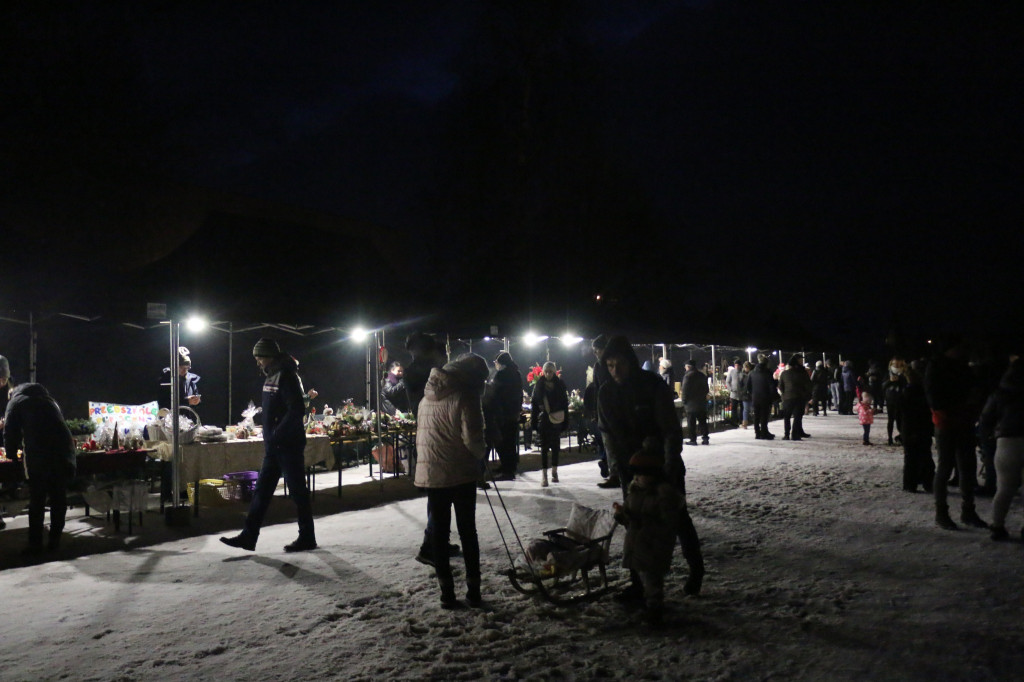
(33, 417)
(633, 406)
(284, 440)
(695, 402)
(762, 395)
(599, 378)
(949, 386)
(849, 377)
(503, 398)
(796, 388)
(394, 396)
(916, 431)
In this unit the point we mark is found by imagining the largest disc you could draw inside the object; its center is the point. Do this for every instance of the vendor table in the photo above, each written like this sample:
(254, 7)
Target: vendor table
(213, 460)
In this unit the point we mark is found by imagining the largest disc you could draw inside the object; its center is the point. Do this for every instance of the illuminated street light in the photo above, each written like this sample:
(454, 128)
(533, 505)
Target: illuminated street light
(569, 339)
(196, 324)
(532, 339)
(359, 334)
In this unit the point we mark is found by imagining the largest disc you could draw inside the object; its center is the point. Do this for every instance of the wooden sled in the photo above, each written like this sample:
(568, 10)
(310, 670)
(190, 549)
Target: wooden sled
(581, 547)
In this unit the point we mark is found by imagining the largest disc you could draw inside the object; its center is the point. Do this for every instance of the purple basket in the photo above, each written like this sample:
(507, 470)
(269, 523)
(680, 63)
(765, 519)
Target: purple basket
(240, 485)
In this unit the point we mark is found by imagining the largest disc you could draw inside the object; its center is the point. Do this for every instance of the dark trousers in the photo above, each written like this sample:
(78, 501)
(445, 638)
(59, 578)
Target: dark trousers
(508, 433)
(893, 421)
(289, 463)
(762, 410)
(602, 454)
(697, 420)
(955, 447)
(845, 401)
(550, 441)
(918, 467)
(867, 433)
(737, 410)
(793, 411)
(440, 502)
(55, 487)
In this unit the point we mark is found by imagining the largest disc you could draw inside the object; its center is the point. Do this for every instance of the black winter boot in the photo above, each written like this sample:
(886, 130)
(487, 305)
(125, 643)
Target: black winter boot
(942, 519)
(969, 517)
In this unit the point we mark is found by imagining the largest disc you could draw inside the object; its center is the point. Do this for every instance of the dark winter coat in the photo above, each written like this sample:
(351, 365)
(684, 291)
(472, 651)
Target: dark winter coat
(394, 397)
(557, 398)
(283, 407)
(794, 384)
(504, 395)
(641, 407)
(651, 518)
(820, 381)
(415, 377)
(34, 422)
(762, 385)
(1003, 416)
(894, 388)
(745, 387)
(915, 415)
(948, 383)
(849, 379)
(695, 391)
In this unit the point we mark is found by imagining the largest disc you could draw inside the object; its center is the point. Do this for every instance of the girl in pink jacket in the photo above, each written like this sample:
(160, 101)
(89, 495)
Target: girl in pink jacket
(866, 415)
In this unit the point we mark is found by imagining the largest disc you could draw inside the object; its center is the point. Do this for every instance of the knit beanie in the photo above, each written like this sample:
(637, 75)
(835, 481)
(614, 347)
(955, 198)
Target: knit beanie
(266, 348)
(646, 462)
(5, 368)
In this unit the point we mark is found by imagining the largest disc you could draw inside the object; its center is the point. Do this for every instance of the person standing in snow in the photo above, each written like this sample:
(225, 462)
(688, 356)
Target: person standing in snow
(450, 441)
(549, 414)
(1003, 419)
(695, 402)
(34, 418)
(651, 517)
(948, 384)
(795, 387)
(633, 406)
(916, 431)
(284, 440)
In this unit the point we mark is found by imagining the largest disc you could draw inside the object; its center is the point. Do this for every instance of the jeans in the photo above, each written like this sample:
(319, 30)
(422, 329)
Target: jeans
(440, 502)
(748, 410)
(955, 446)
(550, 441)
(867, 433)
(289, 463)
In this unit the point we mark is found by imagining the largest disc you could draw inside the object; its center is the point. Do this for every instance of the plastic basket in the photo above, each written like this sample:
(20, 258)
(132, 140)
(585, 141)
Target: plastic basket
(210, 493)
(239, 486)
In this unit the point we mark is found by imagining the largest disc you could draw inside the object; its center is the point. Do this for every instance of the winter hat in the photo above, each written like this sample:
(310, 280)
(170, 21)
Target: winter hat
(646, 462)
(266, 348)
(504, 359)
(665, 363)
(795, 360)
(5, 368)
(471, 366)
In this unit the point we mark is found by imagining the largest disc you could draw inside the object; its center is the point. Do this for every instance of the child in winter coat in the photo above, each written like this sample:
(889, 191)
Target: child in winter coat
(866, 415)
(651, 518)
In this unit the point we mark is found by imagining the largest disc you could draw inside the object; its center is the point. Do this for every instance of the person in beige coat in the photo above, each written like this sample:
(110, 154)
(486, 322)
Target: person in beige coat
(451, 450)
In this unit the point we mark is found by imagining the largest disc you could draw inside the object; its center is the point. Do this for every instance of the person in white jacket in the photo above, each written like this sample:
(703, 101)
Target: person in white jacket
(451, 450)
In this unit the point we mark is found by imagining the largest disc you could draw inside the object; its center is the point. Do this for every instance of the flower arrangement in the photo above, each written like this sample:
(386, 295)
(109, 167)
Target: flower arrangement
(535, 374)
(575, 400)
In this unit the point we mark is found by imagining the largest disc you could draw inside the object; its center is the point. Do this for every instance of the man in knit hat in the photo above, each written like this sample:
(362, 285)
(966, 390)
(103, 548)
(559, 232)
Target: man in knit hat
(284, 440)
(637, 407)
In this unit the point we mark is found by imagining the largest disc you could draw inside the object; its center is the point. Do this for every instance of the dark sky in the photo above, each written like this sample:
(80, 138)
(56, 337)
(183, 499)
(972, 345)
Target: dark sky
(849, 166)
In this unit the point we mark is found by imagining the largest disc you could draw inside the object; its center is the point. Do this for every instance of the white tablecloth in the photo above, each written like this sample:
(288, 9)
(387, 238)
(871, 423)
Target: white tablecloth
(213, 460)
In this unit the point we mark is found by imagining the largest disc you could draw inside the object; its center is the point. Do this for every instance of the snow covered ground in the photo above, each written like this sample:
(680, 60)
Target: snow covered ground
(819, 568)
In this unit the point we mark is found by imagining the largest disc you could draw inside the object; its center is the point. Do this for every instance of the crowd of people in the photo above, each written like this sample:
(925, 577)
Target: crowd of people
(465, 411)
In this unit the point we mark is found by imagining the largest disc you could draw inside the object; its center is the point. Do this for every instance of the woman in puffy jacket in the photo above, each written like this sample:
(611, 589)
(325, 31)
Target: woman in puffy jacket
(450, 443)
(1003, 417)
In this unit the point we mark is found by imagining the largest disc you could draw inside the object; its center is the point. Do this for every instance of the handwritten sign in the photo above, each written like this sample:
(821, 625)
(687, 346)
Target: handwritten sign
(122, 414)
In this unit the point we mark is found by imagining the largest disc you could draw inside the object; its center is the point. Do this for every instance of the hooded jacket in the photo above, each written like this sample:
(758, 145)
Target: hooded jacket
(505, 395)
(794, 384)
(762, 385)
(35, 419)
(450, 426)
(641, 407)
(1003, 416)
(283, 406)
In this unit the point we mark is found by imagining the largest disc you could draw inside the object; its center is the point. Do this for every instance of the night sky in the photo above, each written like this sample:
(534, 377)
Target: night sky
(835, 168)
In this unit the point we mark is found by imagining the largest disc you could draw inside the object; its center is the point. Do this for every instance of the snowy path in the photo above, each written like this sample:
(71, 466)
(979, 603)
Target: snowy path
(819, 568)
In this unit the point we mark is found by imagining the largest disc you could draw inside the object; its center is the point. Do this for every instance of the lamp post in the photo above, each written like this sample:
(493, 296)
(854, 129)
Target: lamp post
(176, 515)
